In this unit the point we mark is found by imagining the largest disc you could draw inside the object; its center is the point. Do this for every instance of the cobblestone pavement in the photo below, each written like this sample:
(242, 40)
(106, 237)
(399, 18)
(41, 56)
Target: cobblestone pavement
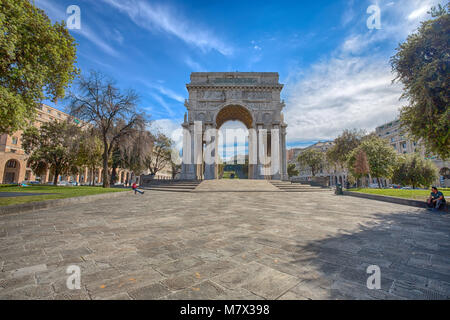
(231, 245)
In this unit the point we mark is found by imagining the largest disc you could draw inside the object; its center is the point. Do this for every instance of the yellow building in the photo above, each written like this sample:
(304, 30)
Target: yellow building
(13, 160)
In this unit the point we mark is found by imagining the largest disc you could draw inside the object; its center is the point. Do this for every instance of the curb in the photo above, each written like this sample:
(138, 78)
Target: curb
(403, 201)
(33, 206)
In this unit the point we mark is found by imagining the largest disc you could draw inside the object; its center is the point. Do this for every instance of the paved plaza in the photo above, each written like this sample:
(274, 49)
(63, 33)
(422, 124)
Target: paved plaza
(226, 245)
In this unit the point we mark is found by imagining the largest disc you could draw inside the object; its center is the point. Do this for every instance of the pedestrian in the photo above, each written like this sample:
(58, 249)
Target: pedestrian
(436, 199)
(135, 188)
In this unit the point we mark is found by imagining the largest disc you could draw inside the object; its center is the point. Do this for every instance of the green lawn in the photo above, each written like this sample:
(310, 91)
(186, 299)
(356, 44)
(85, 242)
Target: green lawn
(409, 194)
(58, 193)
(227, 175)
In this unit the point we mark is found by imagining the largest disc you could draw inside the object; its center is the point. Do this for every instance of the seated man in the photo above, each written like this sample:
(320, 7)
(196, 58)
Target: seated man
(436, 199)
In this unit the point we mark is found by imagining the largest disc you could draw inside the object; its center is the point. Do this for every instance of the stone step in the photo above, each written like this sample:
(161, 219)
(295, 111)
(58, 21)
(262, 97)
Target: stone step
(168, 189)
(296, 187)
(172, 187)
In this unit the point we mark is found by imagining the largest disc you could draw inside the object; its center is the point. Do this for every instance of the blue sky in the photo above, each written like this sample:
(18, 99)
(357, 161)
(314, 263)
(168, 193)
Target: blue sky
(335, 70)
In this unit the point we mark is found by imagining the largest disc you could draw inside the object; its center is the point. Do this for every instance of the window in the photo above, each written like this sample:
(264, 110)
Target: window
(49, 111)
(14, 140)
(404, 145)
(11, 163)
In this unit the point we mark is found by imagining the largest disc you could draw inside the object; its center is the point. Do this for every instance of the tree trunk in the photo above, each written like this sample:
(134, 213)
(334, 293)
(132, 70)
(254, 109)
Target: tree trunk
(91, 181)
(113, 175)
(105, 167)
(55, 178)
(379, 182)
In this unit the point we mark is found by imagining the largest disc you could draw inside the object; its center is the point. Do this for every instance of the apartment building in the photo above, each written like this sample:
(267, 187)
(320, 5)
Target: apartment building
(396, 136)
(14, 166)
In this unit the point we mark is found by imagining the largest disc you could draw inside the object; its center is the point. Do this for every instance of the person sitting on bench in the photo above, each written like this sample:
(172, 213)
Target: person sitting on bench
(436, 199)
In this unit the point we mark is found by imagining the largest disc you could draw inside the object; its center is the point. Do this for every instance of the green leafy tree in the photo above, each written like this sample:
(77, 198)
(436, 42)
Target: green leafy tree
(380, 155)
(55, 145)
(36, 62)
(292, 170)
(89, 153)
(422, 66)
(358, 164)
(99, 102)
(343, 146)
(313, 159)
(413, 170)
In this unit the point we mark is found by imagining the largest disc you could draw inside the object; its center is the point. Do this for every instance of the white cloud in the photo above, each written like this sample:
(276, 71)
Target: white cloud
(57, 13)
(171, 128)
(352, 87)
(418, 13)
(195, 66)
(163, 104)
(339, 93)
(155, 17)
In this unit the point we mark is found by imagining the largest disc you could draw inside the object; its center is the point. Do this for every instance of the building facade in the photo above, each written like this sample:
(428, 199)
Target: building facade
(396, 136)
(14, 166)
(392, 133)
(331, 173)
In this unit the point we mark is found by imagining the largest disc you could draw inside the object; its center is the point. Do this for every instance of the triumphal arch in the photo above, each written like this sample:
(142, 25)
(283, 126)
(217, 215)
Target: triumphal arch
(250, 97)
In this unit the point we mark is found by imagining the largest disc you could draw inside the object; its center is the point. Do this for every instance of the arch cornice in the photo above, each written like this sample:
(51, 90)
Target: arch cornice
(255, 87)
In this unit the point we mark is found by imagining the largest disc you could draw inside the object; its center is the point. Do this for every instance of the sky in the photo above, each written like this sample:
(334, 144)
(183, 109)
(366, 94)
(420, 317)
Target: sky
(335, 70)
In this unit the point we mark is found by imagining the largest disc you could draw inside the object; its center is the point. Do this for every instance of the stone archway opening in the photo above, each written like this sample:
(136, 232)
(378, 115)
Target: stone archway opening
(11, 173)
(234, 113)
(233, 145)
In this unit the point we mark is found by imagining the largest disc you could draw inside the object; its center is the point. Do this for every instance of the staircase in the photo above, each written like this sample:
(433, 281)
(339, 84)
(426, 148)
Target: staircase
(287, 186)
(172, 185)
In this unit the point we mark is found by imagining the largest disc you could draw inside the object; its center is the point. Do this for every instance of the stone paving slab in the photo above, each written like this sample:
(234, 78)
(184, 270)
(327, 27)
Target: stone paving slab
(231, 245)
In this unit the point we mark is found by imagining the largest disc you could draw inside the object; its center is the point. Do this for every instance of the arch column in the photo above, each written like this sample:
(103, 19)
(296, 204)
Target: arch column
(252, 153)
(275, 156)
(210, 152)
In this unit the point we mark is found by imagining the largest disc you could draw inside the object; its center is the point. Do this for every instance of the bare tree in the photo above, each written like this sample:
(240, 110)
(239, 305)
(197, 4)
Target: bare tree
(101, 103)
(134, 150)
(160, 155)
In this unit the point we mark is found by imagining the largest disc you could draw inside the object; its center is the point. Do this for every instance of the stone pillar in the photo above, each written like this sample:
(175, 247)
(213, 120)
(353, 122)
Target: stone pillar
(284, 162)
(210, 152)
(262, 152)
(216, 162)
(198, 149)
(275, 156)
(252, 153)
(187, 167)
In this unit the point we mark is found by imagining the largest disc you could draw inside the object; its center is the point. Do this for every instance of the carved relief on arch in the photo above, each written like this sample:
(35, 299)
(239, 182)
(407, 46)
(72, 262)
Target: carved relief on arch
(257, 95)
(212, 95)
(201, 116)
